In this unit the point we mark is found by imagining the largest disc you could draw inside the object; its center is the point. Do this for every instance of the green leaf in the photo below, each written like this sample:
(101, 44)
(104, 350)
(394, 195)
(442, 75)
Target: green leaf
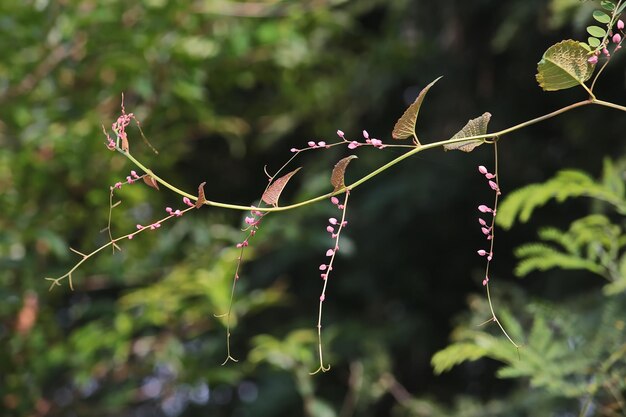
(621, 9)
(596, 31)
(446, 359)
(563, 65)
(593, 42)
(474, 127)
(608, 5)
(601, 17)
(586, 46)
(405, 126)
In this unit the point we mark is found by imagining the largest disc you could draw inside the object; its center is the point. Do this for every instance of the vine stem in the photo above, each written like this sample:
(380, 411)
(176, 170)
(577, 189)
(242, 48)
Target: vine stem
(413, 151)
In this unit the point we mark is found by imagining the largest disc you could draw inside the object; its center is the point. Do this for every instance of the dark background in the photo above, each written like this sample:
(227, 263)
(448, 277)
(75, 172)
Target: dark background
(222, 89)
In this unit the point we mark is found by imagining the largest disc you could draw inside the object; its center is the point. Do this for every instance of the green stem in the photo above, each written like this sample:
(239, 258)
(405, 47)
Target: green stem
(383, 168)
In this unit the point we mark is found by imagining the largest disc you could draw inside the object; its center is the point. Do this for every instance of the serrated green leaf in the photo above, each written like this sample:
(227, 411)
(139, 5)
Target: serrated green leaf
(564, 65)
(601, 17)
(607, 5)
(405, 126)
(596, 31)
(593, 42)
(474, 127)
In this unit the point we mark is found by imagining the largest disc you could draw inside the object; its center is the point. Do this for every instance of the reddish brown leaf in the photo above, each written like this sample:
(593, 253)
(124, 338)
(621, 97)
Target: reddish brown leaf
(124, 142)
(272, 194)
(474, 127)
(405, 126)
(339, 171)
(201, 198)
(151, 181)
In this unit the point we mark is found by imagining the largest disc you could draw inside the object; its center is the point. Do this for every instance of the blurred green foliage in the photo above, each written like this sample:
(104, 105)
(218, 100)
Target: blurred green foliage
(223, 88)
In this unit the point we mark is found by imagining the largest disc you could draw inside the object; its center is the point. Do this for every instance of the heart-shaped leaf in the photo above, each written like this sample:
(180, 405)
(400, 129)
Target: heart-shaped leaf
(564, 65)
(405, 126)
(151, 181)
(339, 171)
(201, 198)
(272, 194)
(474, 127)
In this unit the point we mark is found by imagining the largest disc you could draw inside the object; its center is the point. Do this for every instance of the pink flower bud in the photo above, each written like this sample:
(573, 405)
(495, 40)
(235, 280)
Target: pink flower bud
(250, 220)
(178, 213)
(340, 134)
(484, 209)
(321, 144)
(353, 145)
(482, 252)
(332, 221)
(311, 144)
(376, 142)
(366, 135)
(323, 267)
(294, 150)
(606, 52)
(330, 229)
(485, 281)
(482, 222)
(620, 24)
(322, 297)
(130, 237)
(490, 257)
(187, 201)
(482, 169)
(134, 174)
(485, 231)
(617, 38)
(334, 200)
(493, 185)
(330, 252)
(139, 227)
(323, 276)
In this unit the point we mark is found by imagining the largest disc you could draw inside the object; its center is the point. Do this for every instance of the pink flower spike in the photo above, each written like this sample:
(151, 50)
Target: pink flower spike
(330, 252)
(334, 200)
(322, 297)
(332, 221)
(484, 209)
(323, 267)
(311, 144)
(321, 144)
(340, 134)
(482, 252)
(330, 229)
(617, 38)
(366, 135)
(353, 145)
(482, 222)
(482, 169)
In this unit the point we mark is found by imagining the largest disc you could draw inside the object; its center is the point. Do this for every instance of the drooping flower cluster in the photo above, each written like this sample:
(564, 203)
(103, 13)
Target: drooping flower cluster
(253, 221)
(487, 228)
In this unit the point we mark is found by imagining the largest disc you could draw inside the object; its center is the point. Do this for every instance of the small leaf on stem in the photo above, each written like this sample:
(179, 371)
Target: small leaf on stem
(201, 199)
(272, 194)
(474, 127)
(337, 177)
(151, 182)
(405, 126)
